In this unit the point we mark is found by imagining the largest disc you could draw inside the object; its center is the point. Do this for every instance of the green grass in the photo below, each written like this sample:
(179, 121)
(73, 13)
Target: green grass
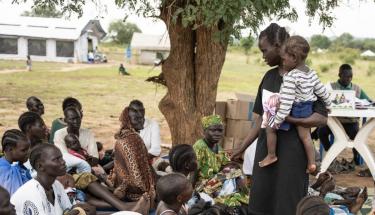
(104, 93)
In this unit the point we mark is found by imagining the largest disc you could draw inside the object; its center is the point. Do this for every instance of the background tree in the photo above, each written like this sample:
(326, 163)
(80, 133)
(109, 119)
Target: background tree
(122, 32)
(199, 32)
(345, 40)
(43, 11)
(246, 44)
(320, 41)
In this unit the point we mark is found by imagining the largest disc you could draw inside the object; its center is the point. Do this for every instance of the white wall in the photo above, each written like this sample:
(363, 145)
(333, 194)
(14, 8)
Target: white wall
(50, 52)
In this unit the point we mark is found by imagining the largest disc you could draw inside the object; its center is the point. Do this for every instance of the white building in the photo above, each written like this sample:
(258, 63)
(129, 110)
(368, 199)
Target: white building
(48, 39)
(146, 48)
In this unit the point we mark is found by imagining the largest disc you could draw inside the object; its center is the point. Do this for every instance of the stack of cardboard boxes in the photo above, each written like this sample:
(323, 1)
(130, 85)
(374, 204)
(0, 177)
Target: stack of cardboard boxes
(237, 116)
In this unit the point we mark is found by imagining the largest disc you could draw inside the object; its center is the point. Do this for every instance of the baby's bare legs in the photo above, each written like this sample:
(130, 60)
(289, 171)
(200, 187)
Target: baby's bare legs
(271, 148)
(305, 136)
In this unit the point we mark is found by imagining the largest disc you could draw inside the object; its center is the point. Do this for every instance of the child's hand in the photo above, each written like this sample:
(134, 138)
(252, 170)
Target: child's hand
(276, 126)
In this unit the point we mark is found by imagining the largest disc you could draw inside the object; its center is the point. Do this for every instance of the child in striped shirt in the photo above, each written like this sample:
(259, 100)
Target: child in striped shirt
(301, 87)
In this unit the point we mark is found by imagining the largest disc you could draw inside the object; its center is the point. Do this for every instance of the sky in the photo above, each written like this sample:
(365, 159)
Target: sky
(352, 16)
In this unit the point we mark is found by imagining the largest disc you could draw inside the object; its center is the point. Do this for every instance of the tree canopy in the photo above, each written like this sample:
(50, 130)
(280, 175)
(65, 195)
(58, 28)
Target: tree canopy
(43, 11)
(320, 41)
(121, 32)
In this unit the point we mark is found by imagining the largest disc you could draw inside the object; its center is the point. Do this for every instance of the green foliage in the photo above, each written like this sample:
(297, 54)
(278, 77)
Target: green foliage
(66, 7)
(324, 68)
(349, 55)
(247, 43)
(43, 11)
(122, 32)
(320, 41)
(229, 16)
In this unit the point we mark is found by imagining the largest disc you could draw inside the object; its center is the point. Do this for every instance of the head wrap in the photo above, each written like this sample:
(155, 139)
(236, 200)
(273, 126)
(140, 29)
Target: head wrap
(208, 121)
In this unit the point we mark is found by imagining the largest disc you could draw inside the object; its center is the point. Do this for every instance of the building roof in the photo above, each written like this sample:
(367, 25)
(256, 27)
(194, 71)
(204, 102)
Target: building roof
(51, 28)
(368, 53)
(150, 42)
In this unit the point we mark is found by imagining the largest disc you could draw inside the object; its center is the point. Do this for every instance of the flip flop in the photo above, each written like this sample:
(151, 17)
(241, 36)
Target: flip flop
(364, 173)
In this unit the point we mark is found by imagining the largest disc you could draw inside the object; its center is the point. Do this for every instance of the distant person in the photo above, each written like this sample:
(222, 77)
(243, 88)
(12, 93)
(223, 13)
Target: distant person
(122, 70)
(28, 63)
(34, 104)
(351, 125)
(90, 57)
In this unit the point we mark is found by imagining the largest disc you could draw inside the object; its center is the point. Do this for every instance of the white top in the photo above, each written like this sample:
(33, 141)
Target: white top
(31, 199)
(150, 135)
(86, 138)
(300, 86)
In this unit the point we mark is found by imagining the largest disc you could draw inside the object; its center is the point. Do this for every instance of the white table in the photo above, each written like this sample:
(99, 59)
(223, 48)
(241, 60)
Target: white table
(342, 140)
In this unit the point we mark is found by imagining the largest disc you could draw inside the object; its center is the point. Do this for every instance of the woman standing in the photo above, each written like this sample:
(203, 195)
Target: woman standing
(278, 188)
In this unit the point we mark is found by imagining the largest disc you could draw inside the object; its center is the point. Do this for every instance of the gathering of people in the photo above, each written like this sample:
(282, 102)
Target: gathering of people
(64, 170)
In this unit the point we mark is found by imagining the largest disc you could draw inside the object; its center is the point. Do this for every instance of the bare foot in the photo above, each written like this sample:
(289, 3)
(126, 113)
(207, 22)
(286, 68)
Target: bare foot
(142, 206)
(270, 159)
(359, 201)
(311, 168)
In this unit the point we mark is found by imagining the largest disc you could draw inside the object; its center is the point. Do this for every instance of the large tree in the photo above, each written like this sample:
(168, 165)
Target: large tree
(199, 32)
(122, 32)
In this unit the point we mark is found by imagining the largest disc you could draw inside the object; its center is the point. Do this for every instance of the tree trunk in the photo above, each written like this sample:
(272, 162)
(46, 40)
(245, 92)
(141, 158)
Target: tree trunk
(191, 74)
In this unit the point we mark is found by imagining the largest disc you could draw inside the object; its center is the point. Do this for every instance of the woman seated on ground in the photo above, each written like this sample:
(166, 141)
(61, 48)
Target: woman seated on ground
(32, 125)
(132, 175)
(44, 194)
(216, 173)
(16, 149)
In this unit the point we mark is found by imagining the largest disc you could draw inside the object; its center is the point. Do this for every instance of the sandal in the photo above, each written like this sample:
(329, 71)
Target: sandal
(364, 173)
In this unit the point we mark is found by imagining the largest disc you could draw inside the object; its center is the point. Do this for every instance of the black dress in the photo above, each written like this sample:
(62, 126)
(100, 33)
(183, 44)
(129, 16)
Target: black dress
(277, 189)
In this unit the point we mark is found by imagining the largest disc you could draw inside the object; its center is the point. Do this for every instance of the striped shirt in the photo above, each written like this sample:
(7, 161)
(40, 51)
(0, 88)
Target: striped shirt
(300, 86)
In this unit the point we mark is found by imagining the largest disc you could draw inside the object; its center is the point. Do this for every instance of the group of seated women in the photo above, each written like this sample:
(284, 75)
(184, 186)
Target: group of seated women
(69, 176)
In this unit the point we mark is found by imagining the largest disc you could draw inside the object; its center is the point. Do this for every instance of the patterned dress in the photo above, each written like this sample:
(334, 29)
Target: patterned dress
(132, 175)
(209, 162)
(212, 181)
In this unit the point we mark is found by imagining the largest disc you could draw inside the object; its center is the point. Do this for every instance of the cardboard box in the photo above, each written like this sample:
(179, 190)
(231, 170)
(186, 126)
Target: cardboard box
(231, 143)
(221, 109)
(227, 143)
(240, 108)
(237, 128)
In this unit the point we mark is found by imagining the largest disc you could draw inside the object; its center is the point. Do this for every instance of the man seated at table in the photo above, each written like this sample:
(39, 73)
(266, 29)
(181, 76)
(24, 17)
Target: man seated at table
(351, 125)
(150, 133)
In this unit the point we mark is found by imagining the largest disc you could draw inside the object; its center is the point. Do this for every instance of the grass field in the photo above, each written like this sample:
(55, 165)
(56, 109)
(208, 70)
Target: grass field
(104, 93)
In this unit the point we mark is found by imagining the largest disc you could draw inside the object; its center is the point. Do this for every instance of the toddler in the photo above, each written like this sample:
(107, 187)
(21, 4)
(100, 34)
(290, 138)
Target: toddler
(174, 191)
(301, 87)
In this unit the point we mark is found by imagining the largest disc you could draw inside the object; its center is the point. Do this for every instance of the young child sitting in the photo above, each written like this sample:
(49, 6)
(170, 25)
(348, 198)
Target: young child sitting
(75, 195)
(174, 191)
(74, 148)
(301, 87)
